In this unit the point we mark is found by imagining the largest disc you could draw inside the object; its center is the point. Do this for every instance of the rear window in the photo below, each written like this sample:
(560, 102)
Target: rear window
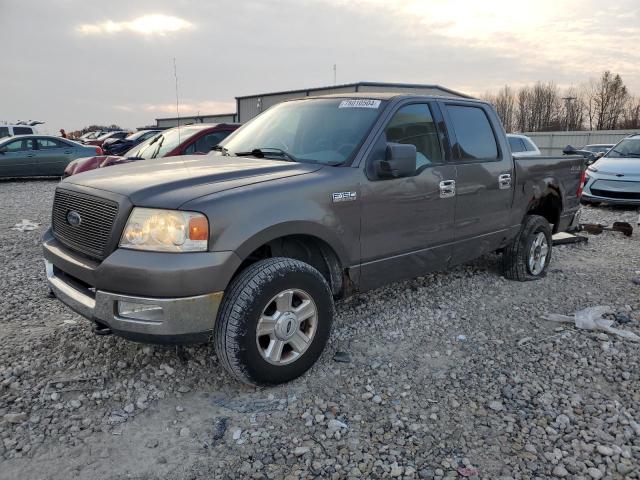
(517, 145)
(22, 131)
(476, 141)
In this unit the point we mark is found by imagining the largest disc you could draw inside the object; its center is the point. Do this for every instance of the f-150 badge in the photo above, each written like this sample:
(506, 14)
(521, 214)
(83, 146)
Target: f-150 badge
(344, 197)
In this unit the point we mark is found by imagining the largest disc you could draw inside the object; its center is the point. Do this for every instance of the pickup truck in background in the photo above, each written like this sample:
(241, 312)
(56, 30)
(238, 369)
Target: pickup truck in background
(312, 200)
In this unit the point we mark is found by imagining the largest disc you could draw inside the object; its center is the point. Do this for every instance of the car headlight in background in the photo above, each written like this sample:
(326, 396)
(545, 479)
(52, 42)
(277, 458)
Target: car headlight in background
(165, 231)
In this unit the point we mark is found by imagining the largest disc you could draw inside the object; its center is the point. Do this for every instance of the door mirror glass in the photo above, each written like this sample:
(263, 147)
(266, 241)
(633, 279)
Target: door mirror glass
(400, 161)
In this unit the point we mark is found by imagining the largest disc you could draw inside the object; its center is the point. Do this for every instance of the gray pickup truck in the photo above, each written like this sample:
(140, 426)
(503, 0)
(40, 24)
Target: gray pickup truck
(312, 200)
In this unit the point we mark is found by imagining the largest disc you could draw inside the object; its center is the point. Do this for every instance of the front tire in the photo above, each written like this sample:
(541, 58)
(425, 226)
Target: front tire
(528, 255)
(274, 321)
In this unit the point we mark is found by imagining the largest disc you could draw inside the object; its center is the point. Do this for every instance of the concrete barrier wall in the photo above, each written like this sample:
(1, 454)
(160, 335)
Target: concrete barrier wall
(552, 143)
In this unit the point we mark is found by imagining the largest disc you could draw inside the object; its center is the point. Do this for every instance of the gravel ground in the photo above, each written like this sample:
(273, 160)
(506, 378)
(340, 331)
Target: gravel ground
(446, 376)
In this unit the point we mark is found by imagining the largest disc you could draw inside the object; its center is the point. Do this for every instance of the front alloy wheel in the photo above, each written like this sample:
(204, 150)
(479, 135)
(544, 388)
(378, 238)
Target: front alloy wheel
(274, 321)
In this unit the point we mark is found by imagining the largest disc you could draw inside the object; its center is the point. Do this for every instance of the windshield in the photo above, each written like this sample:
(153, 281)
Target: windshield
(323, 130)
(163, 143)
(627, 148)
(137, 135)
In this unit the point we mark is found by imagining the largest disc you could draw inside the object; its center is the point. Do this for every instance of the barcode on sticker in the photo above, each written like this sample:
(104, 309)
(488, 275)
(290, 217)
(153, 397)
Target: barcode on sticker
(360, 103)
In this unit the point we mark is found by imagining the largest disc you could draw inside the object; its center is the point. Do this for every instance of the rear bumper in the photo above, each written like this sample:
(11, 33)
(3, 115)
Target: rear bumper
(175, 320)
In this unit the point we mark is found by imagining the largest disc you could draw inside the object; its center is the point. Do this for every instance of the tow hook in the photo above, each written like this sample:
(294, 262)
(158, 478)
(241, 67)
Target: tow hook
(101, 329)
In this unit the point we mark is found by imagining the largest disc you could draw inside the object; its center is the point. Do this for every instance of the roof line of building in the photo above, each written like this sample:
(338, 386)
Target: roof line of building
(198, 116)
(357, 84)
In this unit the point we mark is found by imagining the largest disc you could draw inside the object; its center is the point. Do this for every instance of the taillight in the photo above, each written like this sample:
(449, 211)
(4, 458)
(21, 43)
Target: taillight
(583, 180)
(99, 151)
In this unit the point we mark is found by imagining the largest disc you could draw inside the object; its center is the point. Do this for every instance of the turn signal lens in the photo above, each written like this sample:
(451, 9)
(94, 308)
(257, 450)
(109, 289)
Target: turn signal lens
(198, 228)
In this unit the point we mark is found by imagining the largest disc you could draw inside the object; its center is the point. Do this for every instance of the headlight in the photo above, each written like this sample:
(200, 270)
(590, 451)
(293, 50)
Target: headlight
(165, 231)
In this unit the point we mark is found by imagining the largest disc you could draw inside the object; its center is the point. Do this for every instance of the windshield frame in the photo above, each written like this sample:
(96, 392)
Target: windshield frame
(347, 162)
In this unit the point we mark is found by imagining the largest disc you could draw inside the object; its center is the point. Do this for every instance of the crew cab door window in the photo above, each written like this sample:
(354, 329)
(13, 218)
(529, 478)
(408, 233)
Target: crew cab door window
(414, 125)
(476, 140)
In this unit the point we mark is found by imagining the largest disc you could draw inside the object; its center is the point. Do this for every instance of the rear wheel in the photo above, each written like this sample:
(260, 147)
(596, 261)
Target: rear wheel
(274, 321)
(529, 254)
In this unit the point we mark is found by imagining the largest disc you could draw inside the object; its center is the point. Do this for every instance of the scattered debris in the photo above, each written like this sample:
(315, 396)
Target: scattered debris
(25, 226)
(623, 317)
(636, 280)
(461, 338)
(591, 319)
(342, 357)
(564, 238)
(597, 228)
(468, 471)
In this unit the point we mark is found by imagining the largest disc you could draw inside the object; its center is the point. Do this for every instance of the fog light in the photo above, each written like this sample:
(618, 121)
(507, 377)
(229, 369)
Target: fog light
(140, 311)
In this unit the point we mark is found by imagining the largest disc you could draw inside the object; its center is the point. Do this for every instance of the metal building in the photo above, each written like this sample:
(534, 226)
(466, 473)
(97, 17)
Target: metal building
(552, 143)
(175, 121)
(249, 106)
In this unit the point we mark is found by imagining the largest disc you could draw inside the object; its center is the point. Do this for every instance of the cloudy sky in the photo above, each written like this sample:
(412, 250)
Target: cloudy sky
(76, 62)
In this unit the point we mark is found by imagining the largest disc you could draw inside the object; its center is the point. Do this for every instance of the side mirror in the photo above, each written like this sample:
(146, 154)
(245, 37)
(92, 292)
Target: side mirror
(3, 150)
(569, 150)
(400, 161)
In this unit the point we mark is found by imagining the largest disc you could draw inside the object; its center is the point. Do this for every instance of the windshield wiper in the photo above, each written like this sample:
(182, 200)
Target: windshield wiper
(264, 151)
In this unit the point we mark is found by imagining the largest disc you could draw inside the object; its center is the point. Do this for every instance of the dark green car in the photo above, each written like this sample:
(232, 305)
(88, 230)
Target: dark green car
(40, 155)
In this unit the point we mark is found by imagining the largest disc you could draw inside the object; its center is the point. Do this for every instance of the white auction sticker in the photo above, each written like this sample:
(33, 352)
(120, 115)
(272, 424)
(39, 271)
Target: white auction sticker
(359, 103)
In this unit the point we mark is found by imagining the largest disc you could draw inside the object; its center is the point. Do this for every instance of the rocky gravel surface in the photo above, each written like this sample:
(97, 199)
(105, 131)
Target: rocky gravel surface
(452, 375)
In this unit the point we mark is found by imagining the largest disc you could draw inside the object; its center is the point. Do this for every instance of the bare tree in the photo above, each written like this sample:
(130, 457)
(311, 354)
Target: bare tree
(631, 114)
(606, 99)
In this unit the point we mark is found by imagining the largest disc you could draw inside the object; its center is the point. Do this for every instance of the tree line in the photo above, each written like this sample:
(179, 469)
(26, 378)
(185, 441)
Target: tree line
(602, 104)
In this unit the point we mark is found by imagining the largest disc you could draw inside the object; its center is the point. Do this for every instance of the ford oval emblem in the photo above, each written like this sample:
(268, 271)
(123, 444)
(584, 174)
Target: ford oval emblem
(73, 218)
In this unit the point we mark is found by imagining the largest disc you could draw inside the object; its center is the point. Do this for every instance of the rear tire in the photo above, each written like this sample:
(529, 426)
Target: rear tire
(274, 321)
(528, 256)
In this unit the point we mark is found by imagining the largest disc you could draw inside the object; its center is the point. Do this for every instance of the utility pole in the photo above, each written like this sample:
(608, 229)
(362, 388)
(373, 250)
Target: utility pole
(568, 101)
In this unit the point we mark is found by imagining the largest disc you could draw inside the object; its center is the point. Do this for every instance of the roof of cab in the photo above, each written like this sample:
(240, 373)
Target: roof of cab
(389, 96)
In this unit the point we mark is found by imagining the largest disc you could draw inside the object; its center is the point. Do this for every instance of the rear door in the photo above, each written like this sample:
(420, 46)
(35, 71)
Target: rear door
(484, 183)
(407, 223)
(18, 158)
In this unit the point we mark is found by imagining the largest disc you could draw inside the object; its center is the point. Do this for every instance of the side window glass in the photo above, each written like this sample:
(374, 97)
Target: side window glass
(4, 132)
(22, 131)
(529, 146)
(476, 141)
(516, 144)
(47, 144)
(19, 145)
(414, 125)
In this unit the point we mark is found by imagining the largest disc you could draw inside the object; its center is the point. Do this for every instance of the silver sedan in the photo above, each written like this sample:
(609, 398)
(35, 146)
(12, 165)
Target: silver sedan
(615, 178)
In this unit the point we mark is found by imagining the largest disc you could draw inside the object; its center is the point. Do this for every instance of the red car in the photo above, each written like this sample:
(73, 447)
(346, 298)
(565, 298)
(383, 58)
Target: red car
(184, 140)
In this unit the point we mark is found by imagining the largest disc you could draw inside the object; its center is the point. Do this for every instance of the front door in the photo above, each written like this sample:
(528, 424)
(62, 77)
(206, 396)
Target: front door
(484, 186)
(18, 158)
(407, 223)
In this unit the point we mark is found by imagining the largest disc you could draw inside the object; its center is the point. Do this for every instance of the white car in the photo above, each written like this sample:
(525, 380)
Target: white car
(615, 178)
(522, 146)
(11, 130)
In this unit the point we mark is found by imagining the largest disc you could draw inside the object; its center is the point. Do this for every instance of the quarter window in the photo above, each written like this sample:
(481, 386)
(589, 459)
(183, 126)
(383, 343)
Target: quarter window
(476, 141)
(414, 125)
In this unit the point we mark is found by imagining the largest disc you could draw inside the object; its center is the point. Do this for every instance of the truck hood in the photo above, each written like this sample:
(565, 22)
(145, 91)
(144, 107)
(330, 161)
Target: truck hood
(169, 182)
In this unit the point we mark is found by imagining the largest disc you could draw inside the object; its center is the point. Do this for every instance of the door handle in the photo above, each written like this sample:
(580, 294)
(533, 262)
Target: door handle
(447, 188)
(68, 152)
(504, 181)
(31, 155)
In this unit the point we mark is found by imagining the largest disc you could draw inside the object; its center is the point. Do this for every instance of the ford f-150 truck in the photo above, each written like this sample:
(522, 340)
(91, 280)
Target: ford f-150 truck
(312, 200)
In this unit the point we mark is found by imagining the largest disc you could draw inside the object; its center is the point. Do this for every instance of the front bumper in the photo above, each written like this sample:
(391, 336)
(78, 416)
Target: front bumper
(185, 289)
(608, 189)
(176, 320)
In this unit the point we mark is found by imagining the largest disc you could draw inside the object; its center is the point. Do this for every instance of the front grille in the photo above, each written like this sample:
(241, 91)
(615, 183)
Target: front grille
(92, 234)
(612, 194)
